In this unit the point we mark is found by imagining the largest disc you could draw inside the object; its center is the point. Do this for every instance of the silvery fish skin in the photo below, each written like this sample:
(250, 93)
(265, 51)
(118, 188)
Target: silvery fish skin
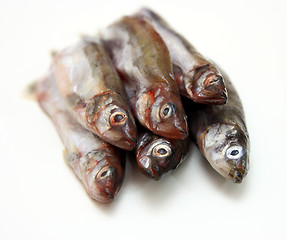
(158, 155)
(198, 78)
(93, 92)
(99, 165)
(142, 60)
(221, 135)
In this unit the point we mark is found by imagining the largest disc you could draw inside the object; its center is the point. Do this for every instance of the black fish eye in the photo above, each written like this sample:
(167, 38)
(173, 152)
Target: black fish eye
(211, 80)
(104, 173)
(167, 110)
(118, 118)
(234, 152)
(161, 151)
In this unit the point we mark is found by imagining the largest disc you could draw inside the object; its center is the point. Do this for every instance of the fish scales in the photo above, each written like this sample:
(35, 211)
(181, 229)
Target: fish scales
(221, 134)
(142, 60)
(197, 77)
(93, 92)
(99, 165)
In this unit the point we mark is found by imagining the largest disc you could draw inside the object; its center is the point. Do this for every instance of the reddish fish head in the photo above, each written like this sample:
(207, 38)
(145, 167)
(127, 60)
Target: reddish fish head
(157, 155)
(207, 85)
(105, 178)
(110, 117)
(161, 111)
(226, 147)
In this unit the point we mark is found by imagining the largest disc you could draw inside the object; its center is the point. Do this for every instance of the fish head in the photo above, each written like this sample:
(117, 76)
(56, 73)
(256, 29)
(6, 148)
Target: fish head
(206, 85)
(227, 150)
(157, 155)
(104, 175)
(112, 119)
(164, 114)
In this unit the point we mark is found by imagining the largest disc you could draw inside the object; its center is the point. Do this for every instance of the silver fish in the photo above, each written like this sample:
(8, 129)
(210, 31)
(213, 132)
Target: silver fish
(142, 60)
(197, 77)
(221, 135)
(99, 165)
(93, 92)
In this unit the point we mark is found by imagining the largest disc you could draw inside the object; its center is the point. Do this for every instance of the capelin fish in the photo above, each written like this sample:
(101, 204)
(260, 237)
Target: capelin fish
(99, 165)
(158, 155)
(142, 60)
(197, 78)
(93, 92)
(221, 135)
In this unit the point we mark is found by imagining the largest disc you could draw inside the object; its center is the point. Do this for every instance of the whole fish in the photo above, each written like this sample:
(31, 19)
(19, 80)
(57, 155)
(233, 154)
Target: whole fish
(221, 135)
(157, 155)
(98, 165)
(142, 60)
(198, 78)
(93, 92)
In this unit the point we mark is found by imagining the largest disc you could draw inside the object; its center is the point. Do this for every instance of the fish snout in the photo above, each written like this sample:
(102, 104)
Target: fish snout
(240, 171)
(149, 167)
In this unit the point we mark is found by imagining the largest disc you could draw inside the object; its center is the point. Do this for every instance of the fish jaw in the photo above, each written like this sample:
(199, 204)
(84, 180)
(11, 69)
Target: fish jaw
(226, 149)
(111, 119)
(157, 155)
(152, 165)
(103, 174)
(206, 85)
(151, 107)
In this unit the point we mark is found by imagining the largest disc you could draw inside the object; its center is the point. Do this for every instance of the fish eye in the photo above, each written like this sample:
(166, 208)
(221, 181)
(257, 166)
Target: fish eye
(161, 150)
(234, 152)
(118, 118)
(212, 80)
(167, 110)
(104, 172)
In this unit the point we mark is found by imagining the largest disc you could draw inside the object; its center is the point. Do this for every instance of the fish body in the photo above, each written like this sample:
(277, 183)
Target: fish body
(99, 165)
(158, 155)
(197, 78)
(221, 135)
(142, 60)
(93, 92)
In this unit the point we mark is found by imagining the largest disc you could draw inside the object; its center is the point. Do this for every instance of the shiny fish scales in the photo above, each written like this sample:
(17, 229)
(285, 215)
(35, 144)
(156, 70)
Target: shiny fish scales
(93, 92)
(142, 59)
(158, 155)
(197, 78)
(221, 135)
(97, 164)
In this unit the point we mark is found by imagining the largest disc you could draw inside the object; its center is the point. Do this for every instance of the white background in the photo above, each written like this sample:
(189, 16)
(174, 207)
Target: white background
(42, 199)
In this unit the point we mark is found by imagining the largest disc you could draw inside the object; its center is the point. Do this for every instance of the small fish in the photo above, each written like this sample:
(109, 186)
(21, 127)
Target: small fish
(142, 60)
(157, 155)
(221, 135)
(99, 165)
(198, 78)
(93, 92)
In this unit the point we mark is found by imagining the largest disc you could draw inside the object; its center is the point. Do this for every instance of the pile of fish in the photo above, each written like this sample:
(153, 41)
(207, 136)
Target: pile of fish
(130, 89)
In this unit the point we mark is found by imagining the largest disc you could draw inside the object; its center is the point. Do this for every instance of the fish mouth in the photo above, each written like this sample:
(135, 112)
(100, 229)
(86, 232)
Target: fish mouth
(237, 175)
(105, 197)
(156, 173)
(179, 130)
(181, 134)
(128, 144)
(149, 168)
(219, 99)
(153, 172)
